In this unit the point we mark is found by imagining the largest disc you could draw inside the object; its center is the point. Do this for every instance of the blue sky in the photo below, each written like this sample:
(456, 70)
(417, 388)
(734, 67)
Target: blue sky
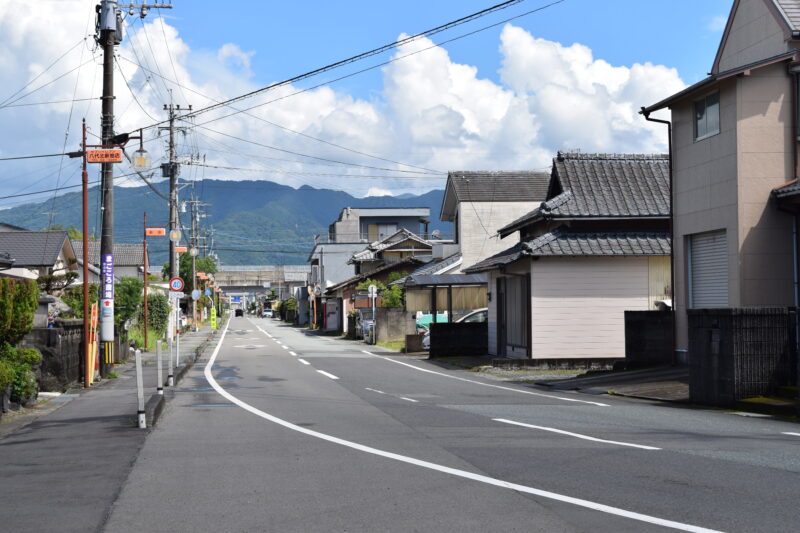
(572, 76)
(294, 37)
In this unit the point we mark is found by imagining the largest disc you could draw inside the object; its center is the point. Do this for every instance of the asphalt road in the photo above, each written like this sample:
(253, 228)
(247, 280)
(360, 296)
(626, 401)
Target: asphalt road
(280, 430)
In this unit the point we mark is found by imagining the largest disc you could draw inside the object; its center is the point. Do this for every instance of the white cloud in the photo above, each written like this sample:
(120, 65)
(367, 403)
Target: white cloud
(431, 111)
(377, 191)
(717, 24)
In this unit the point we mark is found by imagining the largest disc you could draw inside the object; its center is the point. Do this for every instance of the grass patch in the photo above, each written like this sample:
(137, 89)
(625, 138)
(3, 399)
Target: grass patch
(112, 375)
(397, 346)
(136, 334)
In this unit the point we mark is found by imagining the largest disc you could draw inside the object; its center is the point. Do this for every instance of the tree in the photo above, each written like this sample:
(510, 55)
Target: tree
(202, 264)
(157, 312)
(18, 302)
(391, 295)
(73, 297)
(55, 283)
(127, 298)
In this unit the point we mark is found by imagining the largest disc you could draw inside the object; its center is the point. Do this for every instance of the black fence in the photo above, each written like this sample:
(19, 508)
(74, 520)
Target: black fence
(741, 353)
(648, 339)
(459, 338)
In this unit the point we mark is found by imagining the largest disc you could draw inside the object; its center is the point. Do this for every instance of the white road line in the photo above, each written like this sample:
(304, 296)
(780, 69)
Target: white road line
(374, 390)
(487, 384)
(284, 347)
(441, 468)
(409, 399)
(784, 432)
(576, 435)
(292, 353)
(327, 375)
(304, 361)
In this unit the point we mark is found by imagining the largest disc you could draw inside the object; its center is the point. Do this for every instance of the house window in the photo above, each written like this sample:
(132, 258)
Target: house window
(706, 116)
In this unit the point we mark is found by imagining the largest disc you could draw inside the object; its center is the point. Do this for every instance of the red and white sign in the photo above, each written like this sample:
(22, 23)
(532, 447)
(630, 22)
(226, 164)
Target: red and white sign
(155, 232)
(113, 155)
(176, 284)
(180, 249)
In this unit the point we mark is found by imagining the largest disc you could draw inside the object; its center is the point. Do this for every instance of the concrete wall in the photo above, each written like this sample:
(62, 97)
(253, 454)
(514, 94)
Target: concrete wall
(394, 324)
(724, 183)
(648, 339)
(755, 34)
(61, 353)
(478, 223)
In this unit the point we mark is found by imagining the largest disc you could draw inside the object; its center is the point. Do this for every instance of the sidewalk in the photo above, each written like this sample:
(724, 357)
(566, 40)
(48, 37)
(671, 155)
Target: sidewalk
(73, 452)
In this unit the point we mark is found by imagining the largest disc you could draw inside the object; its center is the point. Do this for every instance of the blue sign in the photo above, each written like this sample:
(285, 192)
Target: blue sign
(107, 275)
(208, 292)
(237, 299)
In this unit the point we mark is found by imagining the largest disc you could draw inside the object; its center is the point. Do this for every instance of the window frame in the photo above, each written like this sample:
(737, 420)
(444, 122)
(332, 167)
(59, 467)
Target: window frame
(704, 101)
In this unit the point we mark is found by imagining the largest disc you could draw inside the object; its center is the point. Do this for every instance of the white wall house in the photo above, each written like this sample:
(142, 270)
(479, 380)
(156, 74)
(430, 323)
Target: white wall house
(599, 246)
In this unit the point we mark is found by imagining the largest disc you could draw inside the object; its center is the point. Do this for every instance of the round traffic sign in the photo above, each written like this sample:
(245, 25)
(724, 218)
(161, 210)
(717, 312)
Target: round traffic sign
(196, 294)
(176, 284)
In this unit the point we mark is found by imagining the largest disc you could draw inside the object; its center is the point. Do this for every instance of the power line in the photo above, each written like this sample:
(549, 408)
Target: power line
(71, 154)
(2, 104)
(50, 103)
(321, 174)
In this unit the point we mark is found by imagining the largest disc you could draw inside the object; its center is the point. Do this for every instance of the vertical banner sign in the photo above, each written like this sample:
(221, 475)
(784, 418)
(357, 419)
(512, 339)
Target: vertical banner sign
(107, 299)
(213, 318)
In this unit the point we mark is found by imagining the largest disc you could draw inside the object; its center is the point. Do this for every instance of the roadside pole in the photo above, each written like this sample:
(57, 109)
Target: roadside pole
(140, 389)
(170, 375)
(144, 244)
(87, 359)
(159, 378)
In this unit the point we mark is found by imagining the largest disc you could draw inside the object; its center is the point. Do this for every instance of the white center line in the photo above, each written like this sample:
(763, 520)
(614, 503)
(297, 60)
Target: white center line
(486, 384)
(374, 390)
(304, 361)
(409, 399)
(292, 353)
(284, 347)
(576, 435)
(327, 375)
(586, 504)
(790, 433)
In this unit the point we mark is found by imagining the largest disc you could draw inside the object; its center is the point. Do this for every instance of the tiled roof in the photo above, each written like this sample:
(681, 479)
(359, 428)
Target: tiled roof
(33, 248)
(604, 186)
(432, 267)
(372, 250)
(124, 254)
(563, 243)
(410, 261)
(791, 11)
(493, 186)
(788, 189)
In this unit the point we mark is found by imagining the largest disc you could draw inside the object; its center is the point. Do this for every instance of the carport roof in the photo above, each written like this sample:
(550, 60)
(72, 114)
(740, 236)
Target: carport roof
(444, 280)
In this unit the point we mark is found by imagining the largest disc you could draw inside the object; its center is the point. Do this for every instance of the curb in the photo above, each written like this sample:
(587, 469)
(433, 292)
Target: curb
(155, 405)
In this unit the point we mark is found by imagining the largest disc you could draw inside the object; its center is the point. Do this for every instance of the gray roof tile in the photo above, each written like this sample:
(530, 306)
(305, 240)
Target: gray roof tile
(563, 243)
(493, 186)
(124, 254)
(605, 186)
(33, 248)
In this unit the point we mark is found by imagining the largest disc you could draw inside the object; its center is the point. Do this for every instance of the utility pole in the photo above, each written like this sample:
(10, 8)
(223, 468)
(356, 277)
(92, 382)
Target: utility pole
(171, 170)
(109, 27)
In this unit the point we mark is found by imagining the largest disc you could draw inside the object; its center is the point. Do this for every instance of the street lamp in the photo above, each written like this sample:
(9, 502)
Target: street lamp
(175, 235)
(141, 159)
(193, 251)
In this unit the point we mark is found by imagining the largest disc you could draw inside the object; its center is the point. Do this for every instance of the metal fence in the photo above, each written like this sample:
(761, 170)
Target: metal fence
(740, 353)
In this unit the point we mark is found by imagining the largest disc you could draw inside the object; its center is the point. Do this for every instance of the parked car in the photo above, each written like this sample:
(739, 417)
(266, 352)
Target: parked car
(266, 313)
(478, 315)
(424, 321)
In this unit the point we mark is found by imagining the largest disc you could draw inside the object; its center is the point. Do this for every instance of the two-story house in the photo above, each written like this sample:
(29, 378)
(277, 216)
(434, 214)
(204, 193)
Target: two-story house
(479, 202)
(734, 141)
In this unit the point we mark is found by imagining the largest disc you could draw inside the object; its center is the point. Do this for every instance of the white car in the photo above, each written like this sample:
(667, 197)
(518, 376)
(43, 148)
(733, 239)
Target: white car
(266, 313)
(478, 315)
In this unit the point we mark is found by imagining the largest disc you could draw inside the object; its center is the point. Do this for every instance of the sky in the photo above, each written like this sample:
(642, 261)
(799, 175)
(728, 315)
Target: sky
(491, 94)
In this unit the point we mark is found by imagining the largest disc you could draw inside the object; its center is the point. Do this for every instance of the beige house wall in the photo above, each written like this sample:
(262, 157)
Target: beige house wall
(478, 223)
(579, 303)
(724, 183)
(755, 34)
(764, 144)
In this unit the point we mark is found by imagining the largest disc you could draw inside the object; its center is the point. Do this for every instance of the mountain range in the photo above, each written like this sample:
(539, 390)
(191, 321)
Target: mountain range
(254, 222)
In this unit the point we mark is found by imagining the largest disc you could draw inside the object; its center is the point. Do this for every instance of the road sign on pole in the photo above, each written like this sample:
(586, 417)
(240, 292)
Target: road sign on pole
(176, 284)
(196, 294)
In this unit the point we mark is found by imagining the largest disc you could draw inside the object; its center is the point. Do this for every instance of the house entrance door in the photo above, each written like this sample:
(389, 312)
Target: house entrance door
(513, 314)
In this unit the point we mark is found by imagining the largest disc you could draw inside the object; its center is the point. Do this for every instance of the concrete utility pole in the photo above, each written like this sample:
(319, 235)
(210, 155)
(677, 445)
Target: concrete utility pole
(109, 26)
(171, 170)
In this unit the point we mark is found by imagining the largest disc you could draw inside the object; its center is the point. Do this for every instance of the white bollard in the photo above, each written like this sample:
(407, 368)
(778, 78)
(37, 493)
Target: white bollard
(140, 389)
(160, 380)
(177, 350)
(170, 378)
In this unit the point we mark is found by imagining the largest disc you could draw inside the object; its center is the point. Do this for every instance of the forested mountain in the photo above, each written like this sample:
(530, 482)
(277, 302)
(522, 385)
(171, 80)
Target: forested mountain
(255, 222)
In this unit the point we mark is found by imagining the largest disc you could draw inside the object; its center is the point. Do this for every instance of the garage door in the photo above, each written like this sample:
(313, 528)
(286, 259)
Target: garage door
(708, 270)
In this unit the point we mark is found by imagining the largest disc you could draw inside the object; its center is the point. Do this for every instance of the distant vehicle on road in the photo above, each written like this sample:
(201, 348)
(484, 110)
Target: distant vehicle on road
(266, 313)
(239, 312)
(478, 315)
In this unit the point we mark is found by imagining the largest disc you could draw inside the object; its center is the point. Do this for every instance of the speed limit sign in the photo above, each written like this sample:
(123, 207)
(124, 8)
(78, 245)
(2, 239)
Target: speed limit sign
(176, 284)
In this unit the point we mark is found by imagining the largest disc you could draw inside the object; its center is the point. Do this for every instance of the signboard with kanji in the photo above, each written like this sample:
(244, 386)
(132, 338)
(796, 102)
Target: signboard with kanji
(155, 232)
(113, 155)
(180, 249)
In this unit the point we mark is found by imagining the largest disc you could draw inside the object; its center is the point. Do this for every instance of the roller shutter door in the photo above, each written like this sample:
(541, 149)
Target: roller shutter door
(708, 270)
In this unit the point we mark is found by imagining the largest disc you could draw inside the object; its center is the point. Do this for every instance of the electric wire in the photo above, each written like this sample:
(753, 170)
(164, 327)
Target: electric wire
(2, 104)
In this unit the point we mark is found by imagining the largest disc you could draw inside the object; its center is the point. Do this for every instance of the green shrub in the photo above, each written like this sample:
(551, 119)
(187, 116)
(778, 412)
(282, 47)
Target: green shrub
(73, 297)
(128, 299)
(18, 302)
(6, 375)
(157, 313)
(24, 383)
(29, 356)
